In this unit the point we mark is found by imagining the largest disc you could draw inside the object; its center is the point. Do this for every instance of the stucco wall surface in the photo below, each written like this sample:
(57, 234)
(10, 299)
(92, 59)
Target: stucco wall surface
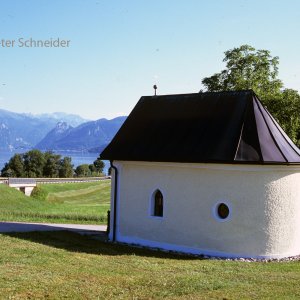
(264, 203)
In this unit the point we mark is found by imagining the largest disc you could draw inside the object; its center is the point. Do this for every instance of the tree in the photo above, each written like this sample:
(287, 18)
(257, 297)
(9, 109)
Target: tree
(83, 171)
(99, 165)
(17, 165)
(66, 167)
(34, 162)
(93, 169)
(248, 68)
(14, 168)
(286, 110)
(52, 164)
(7, 171)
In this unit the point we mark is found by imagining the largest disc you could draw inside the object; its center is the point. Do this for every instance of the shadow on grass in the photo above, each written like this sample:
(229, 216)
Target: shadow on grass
(75, 242)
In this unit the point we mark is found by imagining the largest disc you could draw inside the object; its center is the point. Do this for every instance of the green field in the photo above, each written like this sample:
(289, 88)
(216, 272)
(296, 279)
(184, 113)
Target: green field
(59, 203)
(61, 265)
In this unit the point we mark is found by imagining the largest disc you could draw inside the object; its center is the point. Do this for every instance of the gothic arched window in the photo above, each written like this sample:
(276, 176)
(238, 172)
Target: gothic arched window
(157, 204)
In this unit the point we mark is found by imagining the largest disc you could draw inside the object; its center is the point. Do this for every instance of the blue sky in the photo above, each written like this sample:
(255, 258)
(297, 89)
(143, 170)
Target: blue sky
(119, 49)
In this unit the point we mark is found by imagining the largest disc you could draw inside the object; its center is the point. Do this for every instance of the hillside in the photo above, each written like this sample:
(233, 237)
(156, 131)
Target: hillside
(65, 203)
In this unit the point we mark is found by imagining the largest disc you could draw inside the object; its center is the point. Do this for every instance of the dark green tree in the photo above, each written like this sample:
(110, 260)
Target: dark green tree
(52, 164)
(34, 162)
(17, 165)
(83, 171)
(66, 167)
(7, 171)
(93, 169)
(248, 68)
(14, 168)
(99, 166)
(286, 109)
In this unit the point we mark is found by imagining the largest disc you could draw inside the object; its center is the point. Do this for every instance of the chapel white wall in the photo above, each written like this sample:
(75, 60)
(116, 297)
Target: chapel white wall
(264, 202)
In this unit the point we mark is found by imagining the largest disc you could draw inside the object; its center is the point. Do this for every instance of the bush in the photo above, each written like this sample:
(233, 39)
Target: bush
(39, 193)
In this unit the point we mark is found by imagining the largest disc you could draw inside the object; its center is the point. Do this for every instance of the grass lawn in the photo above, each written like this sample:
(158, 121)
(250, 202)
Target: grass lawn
(60, 203)
(64, 265)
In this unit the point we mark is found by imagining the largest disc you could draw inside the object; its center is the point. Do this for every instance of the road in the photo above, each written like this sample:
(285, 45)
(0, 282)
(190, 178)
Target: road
(27, 227)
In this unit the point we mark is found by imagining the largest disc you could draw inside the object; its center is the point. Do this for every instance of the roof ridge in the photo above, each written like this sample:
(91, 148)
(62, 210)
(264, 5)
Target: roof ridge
(203, 93)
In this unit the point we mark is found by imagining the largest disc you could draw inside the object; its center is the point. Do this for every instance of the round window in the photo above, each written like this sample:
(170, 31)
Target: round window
(223, 211)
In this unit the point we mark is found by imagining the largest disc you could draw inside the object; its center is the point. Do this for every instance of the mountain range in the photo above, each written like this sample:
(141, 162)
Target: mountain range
(57, 131)
(89, 136)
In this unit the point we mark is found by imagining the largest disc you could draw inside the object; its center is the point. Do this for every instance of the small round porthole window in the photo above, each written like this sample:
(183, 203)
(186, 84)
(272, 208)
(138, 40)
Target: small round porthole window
(221, 211)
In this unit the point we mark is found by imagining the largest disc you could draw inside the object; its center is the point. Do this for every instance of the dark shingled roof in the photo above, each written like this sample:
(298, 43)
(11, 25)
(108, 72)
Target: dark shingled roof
(215, 127)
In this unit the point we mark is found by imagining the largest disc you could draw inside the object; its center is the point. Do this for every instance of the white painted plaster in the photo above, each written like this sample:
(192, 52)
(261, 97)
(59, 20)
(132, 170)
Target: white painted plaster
(264, 202)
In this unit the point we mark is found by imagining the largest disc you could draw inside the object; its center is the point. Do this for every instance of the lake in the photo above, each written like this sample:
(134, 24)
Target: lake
(78, 158)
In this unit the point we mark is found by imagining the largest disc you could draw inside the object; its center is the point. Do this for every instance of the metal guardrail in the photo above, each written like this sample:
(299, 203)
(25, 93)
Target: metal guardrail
(5, 180)
(14, 180)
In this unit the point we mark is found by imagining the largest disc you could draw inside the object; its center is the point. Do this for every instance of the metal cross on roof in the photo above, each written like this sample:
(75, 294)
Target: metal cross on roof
(155, 88)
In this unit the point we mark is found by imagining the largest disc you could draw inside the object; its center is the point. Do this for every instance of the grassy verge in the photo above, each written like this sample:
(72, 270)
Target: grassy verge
(58, 203)
(58, 265)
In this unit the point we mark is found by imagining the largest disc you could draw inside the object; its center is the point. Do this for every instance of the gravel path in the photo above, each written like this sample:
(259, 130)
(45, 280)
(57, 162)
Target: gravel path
(27, 227)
